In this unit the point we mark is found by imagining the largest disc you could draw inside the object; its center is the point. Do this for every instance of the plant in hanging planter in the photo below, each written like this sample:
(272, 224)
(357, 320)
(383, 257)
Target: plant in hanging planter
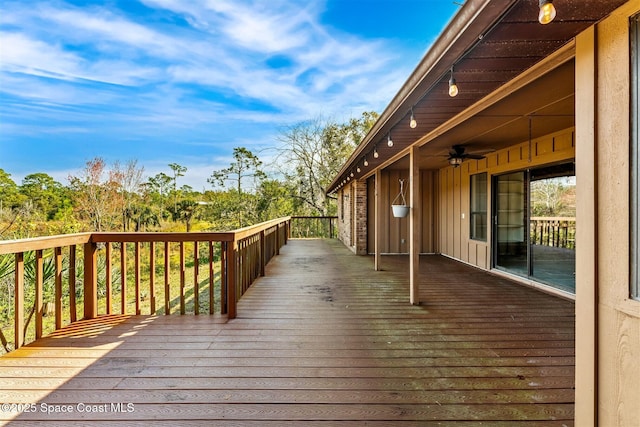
(399, 204)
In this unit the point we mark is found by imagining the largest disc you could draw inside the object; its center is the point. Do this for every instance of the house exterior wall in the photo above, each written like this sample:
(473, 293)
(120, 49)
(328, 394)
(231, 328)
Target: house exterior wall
(454, 192)
(395, 233)
(352, 216)
(607, 320)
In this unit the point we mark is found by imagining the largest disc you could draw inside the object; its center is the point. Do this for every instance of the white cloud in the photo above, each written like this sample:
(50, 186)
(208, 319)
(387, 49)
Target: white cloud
(189, 71)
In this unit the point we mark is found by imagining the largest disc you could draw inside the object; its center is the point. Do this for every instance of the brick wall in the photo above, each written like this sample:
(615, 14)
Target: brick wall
(352, 216)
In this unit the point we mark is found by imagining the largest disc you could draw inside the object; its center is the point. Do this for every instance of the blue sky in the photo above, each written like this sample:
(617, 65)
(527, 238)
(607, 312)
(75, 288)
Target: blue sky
(186, 81)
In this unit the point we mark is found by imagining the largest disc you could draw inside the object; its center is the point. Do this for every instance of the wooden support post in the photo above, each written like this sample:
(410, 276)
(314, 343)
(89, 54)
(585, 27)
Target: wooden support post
(90, 280)
(377, 221)
(263, 257)
(277, 239)
(586, 345)
(415, 229)
(19, 301)
(231, 279)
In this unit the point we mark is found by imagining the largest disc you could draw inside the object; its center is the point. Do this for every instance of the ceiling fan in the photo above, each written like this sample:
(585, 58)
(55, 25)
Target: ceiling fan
(457, 155)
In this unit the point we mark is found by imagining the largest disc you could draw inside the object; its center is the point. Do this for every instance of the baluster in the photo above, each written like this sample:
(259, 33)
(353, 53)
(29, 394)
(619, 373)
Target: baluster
(196, 285)
(108, 276)
(167, 265)
(90, 280)
(73, 314)
(137, 276)
(182, 278)
(19, 301)
(152, 277)
(39, 283)
(123, 278)
(58, 286)
(211, 278)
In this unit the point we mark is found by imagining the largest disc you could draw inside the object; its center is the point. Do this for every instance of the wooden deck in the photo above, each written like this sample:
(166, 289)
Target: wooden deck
(321, 340)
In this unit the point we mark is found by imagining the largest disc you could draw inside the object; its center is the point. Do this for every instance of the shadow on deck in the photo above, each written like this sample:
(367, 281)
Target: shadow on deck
(321, 340)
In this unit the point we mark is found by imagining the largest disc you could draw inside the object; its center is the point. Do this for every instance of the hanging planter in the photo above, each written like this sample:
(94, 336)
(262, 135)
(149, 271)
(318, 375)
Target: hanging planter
(399, 204)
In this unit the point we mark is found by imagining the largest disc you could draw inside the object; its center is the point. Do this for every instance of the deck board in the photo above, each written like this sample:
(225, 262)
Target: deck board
(321, 340)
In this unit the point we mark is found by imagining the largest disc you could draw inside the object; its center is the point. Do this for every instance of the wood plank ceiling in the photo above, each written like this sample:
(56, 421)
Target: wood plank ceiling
(506, 40)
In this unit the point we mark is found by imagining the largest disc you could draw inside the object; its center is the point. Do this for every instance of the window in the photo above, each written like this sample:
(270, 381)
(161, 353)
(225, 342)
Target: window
(635, 157)
(478, 218)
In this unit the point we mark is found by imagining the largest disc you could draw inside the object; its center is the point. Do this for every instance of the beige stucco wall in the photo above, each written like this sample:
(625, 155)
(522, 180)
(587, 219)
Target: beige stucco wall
(607, 320)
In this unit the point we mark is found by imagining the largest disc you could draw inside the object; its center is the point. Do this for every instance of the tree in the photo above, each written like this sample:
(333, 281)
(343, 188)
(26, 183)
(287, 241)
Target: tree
(158, 188)
(314, 151)
(551, 197)
(129, 182)
(44, 192)
(97, 198)
(178, 171)
(8, 191)
(245, 166)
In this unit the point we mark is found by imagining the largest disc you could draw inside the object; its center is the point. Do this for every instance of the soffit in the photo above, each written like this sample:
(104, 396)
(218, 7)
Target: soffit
(499, 42)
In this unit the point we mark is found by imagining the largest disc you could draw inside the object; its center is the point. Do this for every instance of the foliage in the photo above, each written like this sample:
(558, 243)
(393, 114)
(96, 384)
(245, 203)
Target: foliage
(117, 197)
(246, 165)
(553, 197)
(314, 151)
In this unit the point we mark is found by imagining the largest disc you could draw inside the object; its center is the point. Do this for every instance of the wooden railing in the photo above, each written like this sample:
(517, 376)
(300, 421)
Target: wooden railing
(559, 232)
(304, 227)
(130, 273)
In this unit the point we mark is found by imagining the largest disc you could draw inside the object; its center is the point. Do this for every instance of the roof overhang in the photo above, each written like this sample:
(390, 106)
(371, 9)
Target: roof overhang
(490, 44)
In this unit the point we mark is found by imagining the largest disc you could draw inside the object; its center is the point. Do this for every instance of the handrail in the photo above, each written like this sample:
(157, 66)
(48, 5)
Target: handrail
(231, 262)
(42, 243)
(559, 232)
(314, 227)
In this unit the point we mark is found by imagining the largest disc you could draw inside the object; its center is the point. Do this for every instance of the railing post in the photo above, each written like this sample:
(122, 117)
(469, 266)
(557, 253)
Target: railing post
(277, 239)
(19, 301)
(231, 279)
(90, 280)
(263, 256)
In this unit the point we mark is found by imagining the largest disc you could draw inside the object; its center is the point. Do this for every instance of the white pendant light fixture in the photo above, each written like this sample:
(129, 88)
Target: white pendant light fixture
(412, 123)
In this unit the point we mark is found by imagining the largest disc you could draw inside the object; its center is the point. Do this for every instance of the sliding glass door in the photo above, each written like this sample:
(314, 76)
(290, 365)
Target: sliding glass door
(510, 210)
(534, 224)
